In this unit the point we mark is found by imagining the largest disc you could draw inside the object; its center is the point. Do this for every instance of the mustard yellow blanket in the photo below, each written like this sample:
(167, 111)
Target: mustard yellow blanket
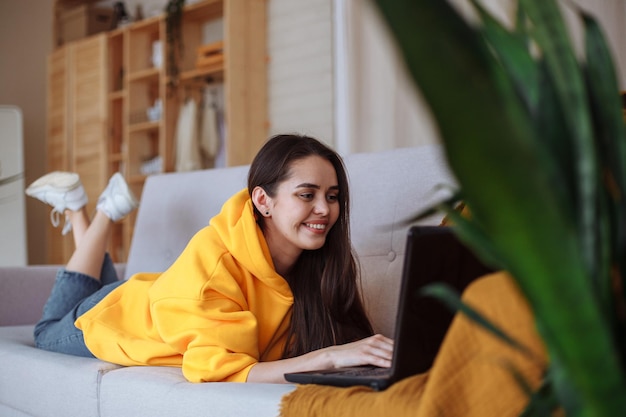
(471, 376)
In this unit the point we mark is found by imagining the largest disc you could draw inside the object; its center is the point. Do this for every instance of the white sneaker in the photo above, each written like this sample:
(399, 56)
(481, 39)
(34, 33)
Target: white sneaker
(63, 191)
(117, 200)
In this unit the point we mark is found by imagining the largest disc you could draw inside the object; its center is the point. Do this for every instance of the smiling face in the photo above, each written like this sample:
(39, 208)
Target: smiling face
(302, 211)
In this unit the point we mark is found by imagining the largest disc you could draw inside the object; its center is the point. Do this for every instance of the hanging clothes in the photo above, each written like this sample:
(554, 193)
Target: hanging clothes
(187, 148)
(209, 135)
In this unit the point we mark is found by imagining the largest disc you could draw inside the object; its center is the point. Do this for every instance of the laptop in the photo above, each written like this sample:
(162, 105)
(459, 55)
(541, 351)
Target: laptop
(433, 254)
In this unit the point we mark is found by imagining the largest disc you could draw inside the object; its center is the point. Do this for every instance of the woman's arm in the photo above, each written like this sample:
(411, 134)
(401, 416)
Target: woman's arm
(374, 350)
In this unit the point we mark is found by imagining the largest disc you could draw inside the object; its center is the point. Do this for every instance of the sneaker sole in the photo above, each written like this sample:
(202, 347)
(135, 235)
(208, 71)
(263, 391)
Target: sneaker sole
(54, 181)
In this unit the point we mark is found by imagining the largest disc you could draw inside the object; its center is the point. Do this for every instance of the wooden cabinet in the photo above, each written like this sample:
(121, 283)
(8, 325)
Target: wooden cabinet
(129, 121)
(77, 123)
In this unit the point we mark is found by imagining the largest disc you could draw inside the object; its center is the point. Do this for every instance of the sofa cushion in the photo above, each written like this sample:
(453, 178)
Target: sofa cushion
(401, 184)
(49, 384)
(160, 391)
(164, 226)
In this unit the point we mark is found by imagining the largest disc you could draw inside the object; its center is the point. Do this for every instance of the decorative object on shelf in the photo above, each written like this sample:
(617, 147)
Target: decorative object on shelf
(121, 15)
(82, 21)
(138, 13)
(152, 166)
(173, 27)
(210, 55)
(157, 54)
(154, 112)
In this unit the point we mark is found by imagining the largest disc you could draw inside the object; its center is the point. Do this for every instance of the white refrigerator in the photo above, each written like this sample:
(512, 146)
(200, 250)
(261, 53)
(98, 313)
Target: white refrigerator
(13, 250)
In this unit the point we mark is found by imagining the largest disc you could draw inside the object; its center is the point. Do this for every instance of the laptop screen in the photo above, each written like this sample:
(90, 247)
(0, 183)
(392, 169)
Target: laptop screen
(434, 254)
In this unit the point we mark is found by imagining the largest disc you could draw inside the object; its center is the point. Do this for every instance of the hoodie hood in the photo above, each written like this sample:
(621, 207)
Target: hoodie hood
(238, 230)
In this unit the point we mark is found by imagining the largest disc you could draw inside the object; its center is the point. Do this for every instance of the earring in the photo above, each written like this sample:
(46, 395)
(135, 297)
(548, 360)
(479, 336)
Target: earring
(267, 213)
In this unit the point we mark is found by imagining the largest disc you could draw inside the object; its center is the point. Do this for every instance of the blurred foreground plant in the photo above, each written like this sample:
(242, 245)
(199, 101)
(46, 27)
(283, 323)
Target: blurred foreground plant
(536, 139)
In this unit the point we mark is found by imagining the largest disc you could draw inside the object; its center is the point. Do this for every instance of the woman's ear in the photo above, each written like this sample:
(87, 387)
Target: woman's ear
(261, 200)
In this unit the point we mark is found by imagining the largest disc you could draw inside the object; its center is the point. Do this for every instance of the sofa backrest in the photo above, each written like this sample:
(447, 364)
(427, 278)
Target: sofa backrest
(387, 188)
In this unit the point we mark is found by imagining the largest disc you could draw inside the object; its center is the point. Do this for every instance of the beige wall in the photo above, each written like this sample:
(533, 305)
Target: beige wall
(25, 41)
(301, 74)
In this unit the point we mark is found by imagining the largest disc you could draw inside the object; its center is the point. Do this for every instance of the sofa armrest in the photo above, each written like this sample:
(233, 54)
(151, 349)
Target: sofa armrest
(24, 291)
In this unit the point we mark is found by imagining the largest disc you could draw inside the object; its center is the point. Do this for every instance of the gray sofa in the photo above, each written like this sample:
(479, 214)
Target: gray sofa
(387, 187)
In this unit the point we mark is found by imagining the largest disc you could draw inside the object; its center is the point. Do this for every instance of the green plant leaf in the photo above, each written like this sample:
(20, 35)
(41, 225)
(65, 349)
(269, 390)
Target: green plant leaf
(551, 35)
(543, 402)
(552, 133)
(512, 51)
(521, 26)
(608, 119)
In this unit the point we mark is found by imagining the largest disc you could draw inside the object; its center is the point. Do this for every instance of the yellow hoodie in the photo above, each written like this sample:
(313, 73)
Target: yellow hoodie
(218, 310)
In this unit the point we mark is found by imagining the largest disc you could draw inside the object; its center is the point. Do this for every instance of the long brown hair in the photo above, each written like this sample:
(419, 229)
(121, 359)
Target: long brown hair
(327, 309)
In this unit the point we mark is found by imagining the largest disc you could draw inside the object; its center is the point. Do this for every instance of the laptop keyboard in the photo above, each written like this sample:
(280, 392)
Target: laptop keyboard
(366, 371)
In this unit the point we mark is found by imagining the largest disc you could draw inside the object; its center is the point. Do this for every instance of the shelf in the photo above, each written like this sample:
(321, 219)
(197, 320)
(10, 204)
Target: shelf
(150, 74)
(118, 32)
(194, 74)
(204, 10)
(144, 127)
(145, 24)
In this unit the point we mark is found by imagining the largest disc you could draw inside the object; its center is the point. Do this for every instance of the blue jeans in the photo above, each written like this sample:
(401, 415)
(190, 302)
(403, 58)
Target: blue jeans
(72, 295)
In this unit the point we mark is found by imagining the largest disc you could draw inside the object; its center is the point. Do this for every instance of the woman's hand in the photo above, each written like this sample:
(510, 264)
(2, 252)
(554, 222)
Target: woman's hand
(374, 350)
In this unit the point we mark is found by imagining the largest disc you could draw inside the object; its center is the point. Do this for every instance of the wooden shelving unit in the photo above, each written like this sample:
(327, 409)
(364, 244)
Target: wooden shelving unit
(77, 123)
(129, 83)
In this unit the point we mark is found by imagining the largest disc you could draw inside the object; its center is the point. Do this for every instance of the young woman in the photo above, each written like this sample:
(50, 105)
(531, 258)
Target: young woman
(269, 286)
